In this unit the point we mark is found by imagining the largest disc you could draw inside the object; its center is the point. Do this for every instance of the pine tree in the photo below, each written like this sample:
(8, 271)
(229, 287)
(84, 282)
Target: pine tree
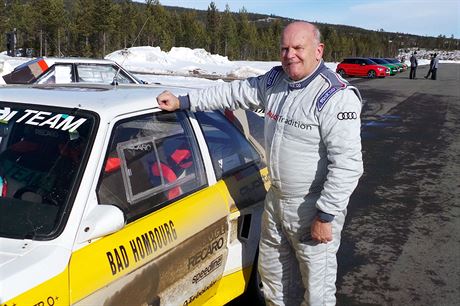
(213, 28)
(228, 37)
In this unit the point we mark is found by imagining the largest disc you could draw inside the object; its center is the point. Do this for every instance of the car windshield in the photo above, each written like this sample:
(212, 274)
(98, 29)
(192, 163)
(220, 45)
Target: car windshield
(42, 151)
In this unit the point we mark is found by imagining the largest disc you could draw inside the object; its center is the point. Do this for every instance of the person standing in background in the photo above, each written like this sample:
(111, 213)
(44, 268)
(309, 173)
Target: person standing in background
(313, 149)
(434, 67)
(431, 65)
(413, 65)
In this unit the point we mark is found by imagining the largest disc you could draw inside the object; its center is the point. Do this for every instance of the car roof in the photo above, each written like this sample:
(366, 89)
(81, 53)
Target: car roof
(53, 60)
(107, 100)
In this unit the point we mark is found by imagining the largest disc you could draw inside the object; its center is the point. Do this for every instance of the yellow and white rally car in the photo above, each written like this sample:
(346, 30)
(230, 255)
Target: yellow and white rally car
(107, 200)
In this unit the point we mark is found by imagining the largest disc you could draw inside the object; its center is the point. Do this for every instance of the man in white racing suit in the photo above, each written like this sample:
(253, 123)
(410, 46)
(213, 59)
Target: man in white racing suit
(313, 148)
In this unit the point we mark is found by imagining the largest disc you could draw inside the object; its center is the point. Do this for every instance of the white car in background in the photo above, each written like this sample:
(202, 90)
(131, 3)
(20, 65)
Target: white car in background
(56, 70)
(107, 200)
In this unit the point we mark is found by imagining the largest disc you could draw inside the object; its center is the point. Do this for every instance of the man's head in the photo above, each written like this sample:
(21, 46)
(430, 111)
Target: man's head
(301, 49)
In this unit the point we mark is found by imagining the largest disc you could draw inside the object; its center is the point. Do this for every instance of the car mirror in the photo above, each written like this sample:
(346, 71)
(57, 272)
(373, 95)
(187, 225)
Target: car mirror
(102, 220)
(363, 64)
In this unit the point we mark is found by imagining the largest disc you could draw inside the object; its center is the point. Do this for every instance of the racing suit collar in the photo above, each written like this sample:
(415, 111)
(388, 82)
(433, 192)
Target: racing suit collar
(306, 80)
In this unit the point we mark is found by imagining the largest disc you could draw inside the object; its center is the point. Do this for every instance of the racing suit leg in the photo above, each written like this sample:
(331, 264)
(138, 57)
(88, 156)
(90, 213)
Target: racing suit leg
(278, 266)
(318, 263)
(286, 249)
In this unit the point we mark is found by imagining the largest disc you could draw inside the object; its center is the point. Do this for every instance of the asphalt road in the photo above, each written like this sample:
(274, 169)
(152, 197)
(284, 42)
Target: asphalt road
(401, 241)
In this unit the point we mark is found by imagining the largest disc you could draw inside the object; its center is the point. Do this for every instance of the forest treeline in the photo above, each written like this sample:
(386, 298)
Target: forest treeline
(94, 28)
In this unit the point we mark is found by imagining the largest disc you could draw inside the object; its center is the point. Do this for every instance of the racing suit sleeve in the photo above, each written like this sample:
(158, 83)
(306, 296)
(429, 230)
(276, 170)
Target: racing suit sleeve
(245, 94)
(340, 128)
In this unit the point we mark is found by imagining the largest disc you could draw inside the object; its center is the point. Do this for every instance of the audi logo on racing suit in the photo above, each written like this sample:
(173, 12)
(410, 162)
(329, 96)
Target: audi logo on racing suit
(347, 116)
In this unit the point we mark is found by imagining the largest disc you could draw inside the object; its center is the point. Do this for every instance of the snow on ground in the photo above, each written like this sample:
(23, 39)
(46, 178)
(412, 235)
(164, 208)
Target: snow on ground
(180, 64)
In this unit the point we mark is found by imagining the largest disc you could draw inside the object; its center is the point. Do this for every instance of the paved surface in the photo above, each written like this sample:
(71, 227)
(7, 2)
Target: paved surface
(401, 242)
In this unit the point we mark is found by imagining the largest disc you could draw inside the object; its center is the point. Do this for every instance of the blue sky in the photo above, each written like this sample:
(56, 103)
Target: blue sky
(420, 17)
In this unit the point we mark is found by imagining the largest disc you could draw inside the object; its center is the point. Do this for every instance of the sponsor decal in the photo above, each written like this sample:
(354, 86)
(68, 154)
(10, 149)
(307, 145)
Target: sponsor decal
(50, 301)
(296, 85)
(62, 122)
(202, 254)
(216, 263)
(335, 84)
(347, 116)
(141, 247)
(213, 243)
(287, 121)
(272, 76)
(199, 293)
(325, 97)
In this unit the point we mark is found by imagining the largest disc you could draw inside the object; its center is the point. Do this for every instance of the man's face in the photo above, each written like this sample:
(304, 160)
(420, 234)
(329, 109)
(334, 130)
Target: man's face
(300, 51)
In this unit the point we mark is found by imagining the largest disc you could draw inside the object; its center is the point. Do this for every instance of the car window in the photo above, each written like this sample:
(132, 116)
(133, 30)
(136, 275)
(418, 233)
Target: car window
(229, 149)
(152, 160)
(57, 74)
(42, 152)
(256, 127)
(97, 73)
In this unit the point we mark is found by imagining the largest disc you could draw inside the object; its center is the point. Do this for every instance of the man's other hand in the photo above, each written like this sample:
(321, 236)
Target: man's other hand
(168, 102)
(321, 231)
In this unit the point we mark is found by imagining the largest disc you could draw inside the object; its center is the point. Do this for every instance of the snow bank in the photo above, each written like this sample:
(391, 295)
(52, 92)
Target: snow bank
(178, 60)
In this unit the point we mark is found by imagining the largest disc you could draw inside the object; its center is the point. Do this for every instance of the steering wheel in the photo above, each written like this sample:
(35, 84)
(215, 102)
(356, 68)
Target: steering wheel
(45, 199)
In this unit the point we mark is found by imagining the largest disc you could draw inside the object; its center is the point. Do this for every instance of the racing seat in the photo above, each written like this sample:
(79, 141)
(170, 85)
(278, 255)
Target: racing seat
(168, 174)
(176, 163)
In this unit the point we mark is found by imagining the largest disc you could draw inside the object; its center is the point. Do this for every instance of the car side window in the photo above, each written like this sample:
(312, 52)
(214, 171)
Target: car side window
(229, 149)
(95, 73)
(152, 160)
(57, 74)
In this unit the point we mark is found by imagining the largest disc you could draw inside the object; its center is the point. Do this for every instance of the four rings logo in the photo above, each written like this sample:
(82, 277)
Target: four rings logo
(347, 116)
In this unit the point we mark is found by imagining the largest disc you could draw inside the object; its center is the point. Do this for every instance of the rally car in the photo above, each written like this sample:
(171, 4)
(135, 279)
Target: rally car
(59, 70)
(107, 200)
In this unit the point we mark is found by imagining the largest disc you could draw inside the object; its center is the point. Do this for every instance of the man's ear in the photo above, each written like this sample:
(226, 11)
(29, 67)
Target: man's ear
(319, 51)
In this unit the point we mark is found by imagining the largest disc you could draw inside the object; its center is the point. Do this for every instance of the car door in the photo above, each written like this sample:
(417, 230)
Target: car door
(360, 66)
(352, 66)
(235, 144)
(173, 248)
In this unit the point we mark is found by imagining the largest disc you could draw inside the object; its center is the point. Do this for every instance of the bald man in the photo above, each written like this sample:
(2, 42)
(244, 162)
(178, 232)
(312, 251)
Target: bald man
(313, 149)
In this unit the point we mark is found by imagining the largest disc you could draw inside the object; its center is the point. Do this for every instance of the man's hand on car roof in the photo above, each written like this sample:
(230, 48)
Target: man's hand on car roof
(167, 101)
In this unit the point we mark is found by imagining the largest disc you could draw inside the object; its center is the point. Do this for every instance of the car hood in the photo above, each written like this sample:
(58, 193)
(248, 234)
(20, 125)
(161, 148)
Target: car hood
(25, 264)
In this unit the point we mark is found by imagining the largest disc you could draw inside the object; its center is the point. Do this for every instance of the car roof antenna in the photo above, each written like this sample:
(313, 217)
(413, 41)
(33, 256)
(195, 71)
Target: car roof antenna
(126, 53)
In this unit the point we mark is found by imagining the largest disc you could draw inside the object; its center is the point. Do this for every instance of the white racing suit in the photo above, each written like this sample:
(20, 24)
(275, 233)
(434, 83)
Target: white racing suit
(313, 149)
